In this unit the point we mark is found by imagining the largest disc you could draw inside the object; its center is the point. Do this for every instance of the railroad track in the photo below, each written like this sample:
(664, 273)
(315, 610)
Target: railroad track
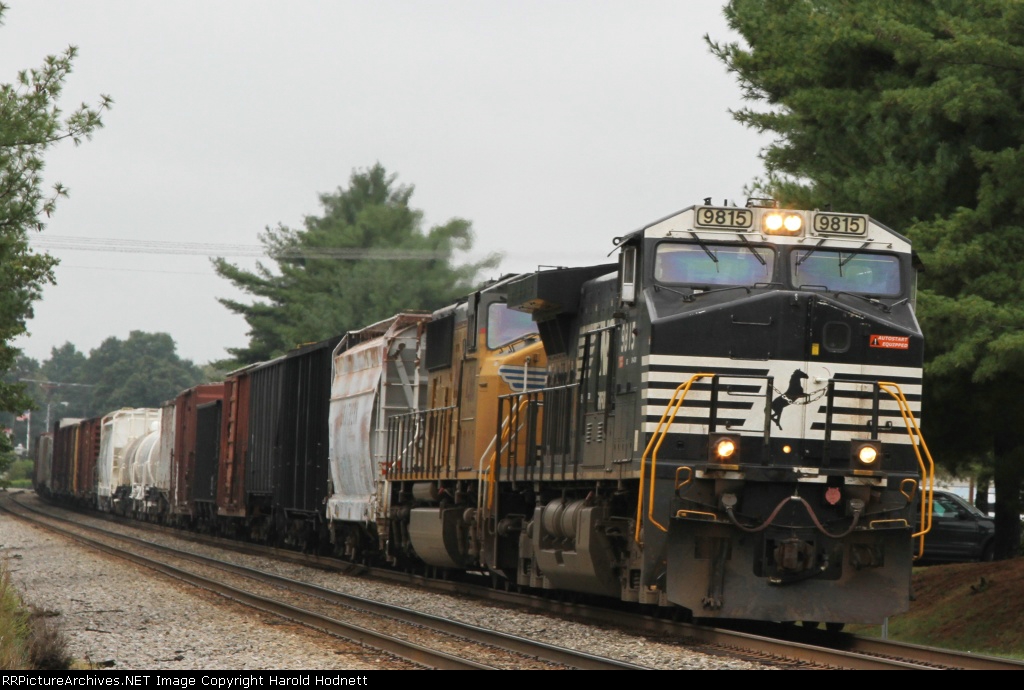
(422, 639)
(781, 647)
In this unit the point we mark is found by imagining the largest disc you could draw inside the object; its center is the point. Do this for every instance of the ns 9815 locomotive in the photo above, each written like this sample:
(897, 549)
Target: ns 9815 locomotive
(724, 421)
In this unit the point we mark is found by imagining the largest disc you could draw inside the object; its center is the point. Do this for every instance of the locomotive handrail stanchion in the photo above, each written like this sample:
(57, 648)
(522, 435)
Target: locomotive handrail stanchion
(533, 425)
(766, 448)
(570, 437)
(492, 450)
(908, 491)
(652, 448)
(917, 442)
(874, 411)
(515, 411)
(713, 407)
(689, 476)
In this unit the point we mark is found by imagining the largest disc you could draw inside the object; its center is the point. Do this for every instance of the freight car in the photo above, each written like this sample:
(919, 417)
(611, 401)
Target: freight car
(723, 422)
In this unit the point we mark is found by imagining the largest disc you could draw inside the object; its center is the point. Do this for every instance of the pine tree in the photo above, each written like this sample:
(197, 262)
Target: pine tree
(364, 259)
(913, 112)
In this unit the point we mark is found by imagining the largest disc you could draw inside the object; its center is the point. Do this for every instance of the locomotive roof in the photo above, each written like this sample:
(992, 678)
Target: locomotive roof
(744, 223)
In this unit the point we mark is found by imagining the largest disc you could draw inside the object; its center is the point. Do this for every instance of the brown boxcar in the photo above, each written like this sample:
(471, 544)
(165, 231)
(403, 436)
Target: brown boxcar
(62, 464)
(86, 453)
(185, 482)
(234, 445)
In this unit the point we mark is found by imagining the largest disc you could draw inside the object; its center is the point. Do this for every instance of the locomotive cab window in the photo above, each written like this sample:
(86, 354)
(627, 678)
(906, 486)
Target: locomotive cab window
(846, 271)
(713, 264)
(627, 275)
(506, 325)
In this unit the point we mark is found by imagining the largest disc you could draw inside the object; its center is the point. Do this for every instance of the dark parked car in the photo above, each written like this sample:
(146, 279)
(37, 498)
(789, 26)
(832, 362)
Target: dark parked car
(960, 532)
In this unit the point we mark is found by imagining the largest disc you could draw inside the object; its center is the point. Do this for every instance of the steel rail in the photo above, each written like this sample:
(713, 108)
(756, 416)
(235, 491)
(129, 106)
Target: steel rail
(409, 651)
(539, 650)
(832, 650)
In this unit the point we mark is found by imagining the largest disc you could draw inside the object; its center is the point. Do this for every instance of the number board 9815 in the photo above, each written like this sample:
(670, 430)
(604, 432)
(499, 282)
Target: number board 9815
(725, 218)
(840, 224)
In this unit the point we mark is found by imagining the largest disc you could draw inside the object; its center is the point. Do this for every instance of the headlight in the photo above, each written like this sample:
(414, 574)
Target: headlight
(724, 448)
(865, 455)
(782, 223)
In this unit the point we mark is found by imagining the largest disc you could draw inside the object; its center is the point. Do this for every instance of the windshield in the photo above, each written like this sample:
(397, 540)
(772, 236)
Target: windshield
(713, 264)
(946, 505)
(505, 325)
(843, 271)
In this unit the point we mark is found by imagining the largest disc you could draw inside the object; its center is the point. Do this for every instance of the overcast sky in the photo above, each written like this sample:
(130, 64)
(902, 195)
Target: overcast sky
(551, 126)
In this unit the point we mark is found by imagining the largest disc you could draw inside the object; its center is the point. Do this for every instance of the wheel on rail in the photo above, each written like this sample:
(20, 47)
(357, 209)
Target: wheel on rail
(835, 627)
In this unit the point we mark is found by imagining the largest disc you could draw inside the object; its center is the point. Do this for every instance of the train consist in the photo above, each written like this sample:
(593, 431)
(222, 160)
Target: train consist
(722, 422)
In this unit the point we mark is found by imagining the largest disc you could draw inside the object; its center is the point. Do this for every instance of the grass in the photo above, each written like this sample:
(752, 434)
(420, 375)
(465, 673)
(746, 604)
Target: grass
(29, 640)
(975, 607)
(13, 625)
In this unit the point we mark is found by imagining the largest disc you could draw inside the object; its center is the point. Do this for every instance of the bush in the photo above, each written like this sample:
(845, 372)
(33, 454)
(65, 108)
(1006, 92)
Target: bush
(46, 645)
(28, 641)
(20, 470)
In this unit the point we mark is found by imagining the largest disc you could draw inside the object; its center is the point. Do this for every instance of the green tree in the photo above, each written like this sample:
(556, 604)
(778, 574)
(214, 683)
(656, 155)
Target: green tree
(363, 260)
(142, 371)
(913, 112)
(31, 122)
(65, 390)
(17, 431)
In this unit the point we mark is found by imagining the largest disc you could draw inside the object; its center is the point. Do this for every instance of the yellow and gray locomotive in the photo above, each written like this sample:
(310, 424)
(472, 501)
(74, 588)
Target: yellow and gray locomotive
(725, 421)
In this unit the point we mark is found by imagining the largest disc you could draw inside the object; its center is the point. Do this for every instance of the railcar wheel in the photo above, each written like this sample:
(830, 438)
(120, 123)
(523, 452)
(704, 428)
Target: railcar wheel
(813, 625)
(835, 627)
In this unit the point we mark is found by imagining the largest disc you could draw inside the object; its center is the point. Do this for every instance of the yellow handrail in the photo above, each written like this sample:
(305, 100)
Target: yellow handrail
(506, 426)
(927, 471)
(678, 396)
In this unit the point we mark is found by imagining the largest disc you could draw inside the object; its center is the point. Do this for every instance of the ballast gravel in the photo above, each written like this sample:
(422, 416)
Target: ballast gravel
(121, 616)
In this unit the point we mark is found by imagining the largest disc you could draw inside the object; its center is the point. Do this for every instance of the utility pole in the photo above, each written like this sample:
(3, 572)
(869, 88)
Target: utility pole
(48, 406)
(47, 386)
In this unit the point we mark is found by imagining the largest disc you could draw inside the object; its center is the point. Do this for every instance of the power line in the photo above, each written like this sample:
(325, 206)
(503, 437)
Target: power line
(58, 384)
(139, 270)
(101, 244)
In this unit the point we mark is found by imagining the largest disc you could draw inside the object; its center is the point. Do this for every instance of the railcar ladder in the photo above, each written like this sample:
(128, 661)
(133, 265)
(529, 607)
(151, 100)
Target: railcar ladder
(657, 438)
(927, 469)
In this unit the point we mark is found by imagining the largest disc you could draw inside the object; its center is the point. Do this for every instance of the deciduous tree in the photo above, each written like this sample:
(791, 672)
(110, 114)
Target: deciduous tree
(31, 121)
(142, 371)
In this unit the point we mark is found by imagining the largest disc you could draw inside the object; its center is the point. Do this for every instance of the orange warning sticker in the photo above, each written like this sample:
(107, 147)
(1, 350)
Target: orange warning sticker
(890, 342)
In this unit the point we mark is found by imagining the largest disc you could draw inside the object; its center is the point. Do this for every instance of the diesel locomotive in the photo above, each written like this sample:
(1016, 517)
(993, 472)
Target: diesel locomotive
(722, 422)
